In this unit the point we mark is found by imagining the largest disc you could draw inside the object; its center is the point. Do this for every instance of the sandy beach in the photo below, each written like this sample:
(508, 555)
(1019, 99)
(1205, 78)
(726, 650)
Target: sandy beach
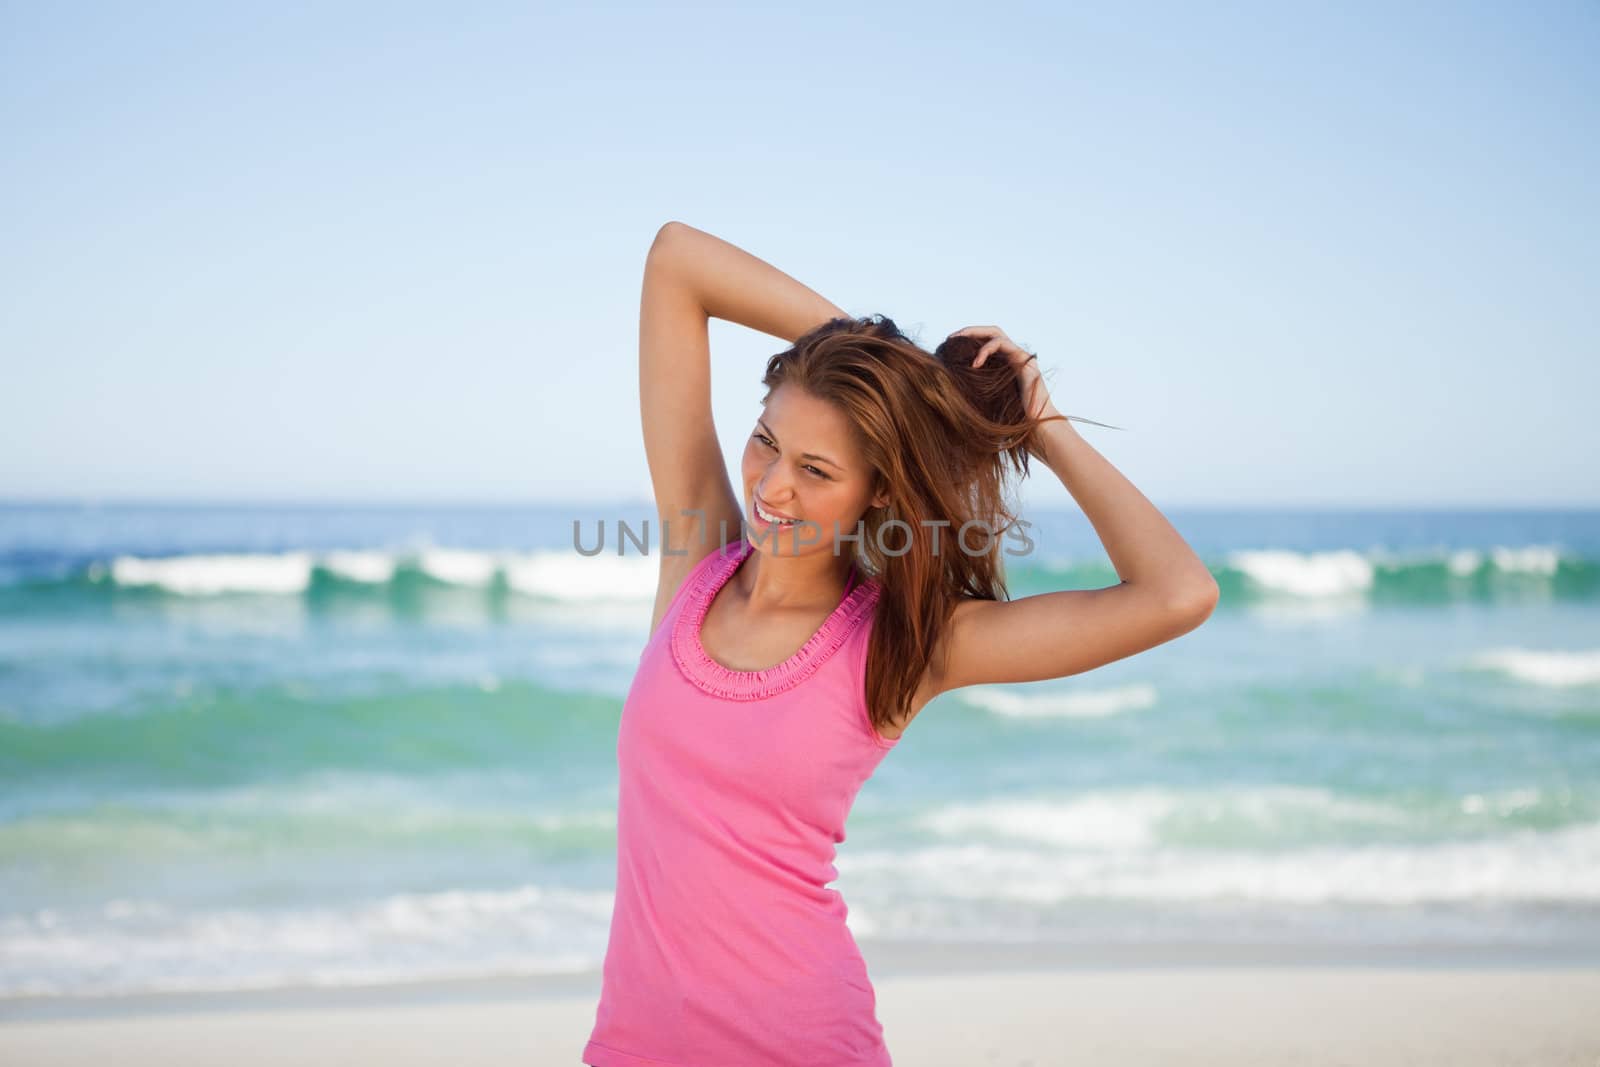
(1131, 1016)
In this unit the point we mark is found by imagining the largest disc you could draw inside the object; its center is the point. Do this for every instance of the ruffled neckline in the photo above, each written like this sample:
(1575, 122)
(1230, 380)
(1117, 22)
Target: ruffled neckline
(698, 666)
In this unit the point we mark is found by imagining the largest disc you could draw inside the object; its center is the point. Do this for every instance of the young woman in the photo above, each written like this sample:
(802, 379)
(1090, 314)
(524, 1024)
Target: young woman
(800, 626)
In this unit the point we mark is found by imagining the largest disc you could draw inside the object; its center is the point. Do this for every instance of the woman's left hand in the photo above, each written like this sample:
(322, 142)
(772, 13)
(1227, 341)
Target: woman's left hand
(1035, 396)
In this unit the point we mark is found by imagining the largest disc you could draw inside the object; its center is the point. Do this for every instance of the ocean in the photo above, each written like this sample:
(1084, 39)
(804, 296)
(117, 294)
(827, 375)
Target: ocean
(268, 745)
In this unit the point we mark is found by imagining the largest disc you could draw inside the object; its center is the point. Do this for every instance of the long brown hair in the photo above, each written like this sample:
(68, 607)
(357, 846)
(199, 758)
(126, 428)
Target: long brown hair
(940, 437)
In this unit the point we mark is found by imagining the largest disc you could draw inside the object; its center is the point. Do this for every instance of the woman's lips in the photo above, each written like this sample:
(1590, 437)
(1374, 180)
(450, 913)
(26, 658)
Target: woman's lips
(756, 501)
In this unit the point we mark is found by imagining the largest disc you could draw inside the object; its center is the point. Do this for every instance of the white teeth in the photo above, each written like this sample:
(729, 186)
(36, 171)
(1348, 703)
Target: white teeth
(767, 516)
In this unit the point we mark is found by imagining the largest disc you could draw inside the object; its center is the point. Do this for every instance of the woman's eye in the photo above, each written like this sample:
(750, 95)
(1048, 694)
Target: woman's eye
(764, 439)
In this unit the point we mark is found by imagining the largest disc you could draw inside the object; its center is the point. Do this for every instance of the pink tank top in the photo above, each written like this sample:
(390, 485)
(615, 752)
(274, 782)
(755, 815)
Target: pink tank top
(726, 948)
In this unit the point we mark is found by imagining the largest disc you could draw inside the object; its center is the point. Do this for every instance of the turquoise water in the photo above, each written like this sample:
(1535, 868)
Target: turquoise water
(254, 746)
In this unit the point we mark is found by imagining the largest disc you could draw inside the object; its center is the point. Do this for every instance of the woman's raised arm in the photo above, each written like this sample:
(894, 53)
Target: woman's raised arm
(690, 276)
(1166, 589)
(732, 284)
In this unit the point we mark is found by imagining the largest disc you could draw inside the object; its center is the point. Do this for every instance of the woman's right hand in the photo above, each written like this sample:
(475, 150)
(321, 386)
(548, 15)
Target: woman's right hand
(1036, 397)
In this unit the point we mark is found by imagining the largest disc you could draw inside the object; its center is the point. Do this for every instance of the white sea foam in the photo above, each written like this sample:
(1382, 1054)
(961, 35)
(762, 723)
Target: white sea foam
(569, 576)
(1050, 704)
(1531, 559)
(1134, 818)
(1550, 668)
(459, 566)
(372, 566)
(199, 575)
(1524, 867)
(134, 945)
(1096, 821)
(1314, 574)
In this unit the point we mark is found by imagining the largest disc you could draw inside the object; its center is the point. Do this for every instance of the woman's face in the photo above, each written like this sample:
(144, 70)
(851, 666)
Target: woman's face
(801, 461)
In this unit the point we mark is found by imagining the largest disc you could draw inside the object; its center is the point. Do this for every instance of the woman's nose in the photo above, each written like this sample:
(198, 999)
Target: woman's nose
(774, 491)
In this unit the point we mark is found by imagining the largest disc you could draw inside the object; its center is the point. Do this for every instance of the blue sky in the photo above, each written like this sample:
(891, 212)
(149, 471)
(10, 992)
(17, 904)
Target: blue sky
(1308, 254)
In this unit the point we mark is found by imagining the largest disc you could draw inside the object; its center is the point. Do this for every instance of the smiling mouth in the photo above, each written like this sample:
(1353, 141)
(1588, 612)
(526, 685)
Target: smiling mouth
(764, 515)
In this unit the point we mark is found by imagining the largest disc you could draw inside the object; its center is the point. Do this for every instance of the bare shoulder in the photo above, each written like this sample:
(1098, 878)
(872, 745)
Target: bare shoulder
(674, 568)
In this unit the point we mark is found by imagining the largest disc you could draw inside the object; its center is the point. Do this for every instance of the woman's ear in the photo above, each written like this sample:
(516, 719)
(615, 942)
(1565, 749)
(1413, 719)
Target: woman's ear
(880, 493)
